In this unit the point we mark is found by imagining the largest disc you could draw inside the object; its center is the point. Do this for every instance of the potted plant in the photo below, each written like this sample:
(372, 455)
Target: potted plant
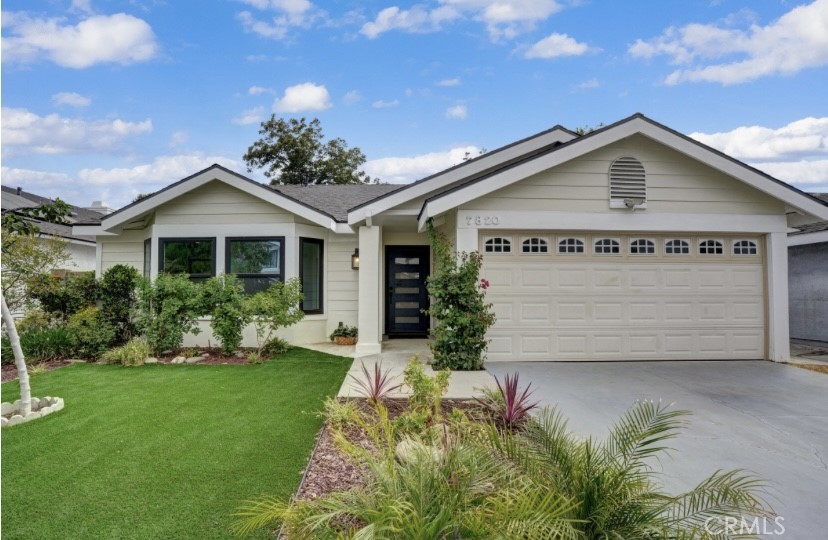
(344, 335)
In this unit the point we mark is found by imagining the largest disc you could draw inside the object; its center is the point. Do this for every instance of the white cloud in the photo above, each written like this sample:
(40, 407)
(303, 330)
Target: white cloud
(178, 138)
(450, 82)
(296, 7)
(119, 38)
(403, 170)
(303, 97)
(591, 84)
(250, 116)
(290, 14)
(25, 132)
(256, 90)
(459, 112)
(502, 18)
(351, 98)
(802, 138)
(71, 99)
(796, 153)
(82, 6)
(381, 104)
(415, 20)
(556, 45)
(707, 53)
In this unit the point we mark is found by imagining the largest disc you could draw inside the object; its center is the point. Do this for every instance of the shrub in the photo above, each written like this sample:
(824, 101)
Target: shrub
(223, 299)
(90, 334)
(274, 308)
(508, 404)
(458, 305)
(40, 345)
(339, 414)
(133, 353)
(375, 386)
(118, 300)
(344, 330)
(34, 319)
(168, 309)
(63, 296)
(275, 347)
(424, 402)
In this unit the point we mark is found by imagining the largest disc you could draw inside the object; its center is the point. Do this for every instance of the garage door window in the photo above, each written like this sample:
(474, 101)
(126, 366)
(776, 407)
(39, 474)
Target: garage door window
(642, 246)
(534, 245)
(498, 245)
(677, 247)
(711, 247)
(745, 247)
(570, 245)
(607, 246)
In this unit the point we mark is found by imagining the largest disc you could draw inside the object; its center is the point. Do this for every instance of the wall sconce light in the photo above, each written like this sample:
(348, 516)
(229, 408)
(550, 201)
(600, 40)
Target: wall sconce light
(355, 260)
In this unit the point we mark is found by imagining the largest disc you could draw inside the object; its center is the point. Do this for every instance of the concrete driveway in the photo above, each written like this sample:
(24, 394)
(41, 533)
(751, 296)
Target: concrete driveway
(771, 419)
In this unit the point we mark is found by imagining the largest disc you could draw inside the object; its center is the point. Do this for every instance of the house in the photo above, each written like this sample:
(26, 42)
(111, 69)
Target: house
(80, 247)
(633, 242)
(808, 279)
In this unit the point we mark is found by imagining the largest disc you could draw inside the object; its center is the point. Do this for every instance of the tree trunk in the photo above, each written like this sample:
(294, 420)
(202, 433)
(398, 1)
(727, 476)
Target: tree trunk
(19, 361)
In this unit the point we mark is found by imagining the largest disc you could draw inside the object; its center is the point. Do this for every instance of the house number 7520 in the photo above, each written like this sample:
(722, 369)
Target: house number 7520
(484, 221)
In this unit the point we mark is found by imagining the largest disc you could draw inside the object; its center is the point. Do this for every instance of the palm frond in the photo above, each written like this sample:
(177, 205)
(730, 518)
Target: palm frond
(638, 433)
(255, 514)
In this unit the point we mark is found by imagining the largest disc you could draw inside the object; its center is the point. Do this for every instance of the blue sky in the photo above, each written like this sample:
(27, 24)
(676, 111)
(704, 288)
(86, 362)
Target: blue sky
(107, 99)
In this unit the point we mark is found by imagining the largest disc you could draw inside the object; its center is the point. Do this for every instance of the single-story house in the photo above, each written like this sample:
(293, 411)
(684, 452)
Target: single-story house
(79, 246)
(808, 279)
(633, 242)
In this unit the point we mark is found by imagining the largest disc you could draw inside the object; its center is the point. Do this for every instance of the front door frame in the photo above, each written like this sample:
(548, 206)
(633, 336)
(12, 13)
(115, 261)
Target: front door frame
(424, 325)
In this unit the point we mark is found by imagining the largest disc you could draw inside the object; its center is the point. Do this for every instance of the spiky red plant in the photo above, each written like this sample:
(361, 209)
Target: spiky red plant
(513, 407)
(377, 385)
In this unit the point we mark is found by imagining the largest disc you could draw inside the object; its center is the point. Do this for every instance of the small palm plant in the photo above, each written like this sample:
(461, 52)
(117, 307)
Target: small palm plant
(377, 385)
(616, 490)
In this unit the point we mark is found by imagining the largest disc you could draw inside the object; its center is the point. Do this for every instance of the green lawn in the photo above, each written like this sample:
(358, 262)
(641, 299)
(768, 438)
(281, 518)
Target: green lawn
(162, 451)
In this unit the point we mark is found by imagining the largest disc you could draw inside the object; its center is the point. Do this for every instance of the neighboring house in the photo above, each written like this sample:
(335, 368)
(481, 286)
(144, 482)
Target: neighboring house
(80, 247)
(633, 242)
(808, 279)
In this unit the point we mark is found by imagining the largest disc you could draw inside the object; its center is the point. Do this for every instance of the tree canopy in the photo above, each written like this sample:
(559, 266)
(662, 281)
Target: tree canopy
(293, 152)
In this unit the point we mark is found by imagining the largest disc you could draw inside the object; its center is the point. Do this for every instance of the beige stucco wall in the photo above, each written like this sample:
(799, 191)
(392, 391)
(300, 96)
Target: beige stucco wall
(675, 184)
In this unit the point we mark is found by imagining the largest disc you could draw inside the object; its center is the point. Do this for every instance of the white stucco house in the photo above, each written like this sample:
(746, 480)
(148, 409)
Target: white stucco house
(633, 242)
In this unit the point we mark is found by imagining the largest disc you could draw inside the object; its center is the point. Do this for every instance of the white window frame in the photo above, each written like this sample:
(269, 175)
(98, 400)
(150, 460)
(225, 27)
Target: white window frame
(754, 245)
(543, 239)
(617, 241)
(560, 239)
(688, 244)
(499, 237)
(719, 240)
(642, 239)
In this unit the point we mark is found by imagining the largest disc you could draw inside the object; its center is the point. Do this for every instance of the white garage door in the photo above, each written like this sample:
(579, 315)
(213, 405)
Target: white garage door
(632, 297)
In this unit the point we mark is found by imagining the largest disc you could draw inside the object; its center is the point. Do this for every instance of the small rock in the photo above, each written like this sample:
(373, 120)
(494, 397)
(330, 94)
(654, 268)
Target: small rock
(36, 403)
(6, 408)
(32, 415)
(194, 359)
(151, 360)
(205, 355)
(16, 404)
(4, 422)
(76, 361)
(178, 360)
(58, 404)
(16, 419)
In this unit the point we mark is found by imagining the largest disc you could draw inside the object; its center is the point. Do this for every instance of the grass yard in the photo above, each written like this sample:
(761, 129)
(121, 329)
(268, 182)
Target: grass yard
(161, 451)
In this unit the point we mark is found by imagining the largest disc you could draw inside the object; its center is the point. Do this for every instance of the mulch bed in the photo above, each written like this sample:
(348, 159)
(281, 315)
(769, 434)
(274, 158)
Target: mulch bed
(330, 470)
(9, 371)
(820, 368)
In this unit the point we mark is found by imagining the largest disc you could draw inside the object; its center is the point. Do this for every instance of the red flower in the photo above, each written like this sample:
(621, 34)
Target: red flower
(484, 284)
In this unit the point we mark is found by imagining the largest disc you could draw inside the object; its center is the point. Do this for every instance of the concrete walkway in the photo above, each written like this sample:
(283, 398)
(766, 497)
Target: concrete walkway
(395, 356)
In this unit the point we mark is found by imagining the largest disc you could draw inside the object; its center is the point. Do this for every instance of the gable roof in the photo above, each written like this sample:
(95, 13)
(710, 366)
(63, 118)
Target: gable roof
(484, 184)
(819, 226)
(16, 198)
(336, 200)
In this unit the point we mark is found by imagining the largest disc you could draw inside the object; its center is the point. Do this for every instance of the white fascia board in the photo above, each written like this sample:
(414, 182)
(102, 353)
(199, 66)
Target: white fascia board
(634, 126)
(442, 180)
(207, 176)
(625, 221)
(808, 238)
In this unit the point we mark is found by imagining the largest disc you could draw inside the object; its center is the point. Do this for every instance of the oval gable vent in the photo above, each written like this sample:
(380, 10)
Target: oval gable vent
(628, 186)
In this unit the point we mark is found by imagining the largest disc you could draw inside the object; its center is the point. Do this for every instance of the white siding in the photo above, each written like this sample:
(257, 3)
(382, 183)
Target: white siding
(343, 282)
(126, 248)
(217, 203)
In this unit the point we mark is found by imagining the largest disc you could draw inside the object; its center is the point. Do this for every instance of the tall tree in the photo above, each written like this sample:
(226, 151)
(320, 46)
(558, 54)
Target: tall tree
(293, 152)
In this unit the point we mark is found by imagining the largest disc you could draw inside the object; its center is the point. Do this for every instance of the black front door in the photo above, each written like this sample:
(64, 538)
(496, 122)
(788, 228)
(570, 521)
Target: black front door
(406, 296)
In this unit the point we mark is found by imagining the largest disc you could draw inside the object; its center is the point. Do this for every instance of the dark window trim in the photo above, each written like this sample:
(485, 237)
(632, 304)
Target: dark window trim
(227, 254)
(211, 239)
(302, 242)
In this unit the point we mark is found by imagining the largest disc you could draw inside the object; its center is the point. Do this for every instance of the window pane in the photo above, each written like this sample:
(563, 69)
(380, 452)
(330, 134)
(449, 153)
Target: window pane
(252, 285)
(147, 257)
(194, 257)
(255, 257)
(312, 275)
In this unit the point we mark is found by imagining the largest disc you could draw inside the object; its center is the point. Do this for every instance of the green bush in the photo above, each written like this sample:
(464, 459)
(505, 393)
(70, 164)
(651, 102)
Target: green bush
(168, 309)
(275, 308)
(425, 400)
(458, 306)
(34, 319)
(118, 300)
(63, 296)
(223, 299)
(89, 333)
(40, 345)
(133, 353)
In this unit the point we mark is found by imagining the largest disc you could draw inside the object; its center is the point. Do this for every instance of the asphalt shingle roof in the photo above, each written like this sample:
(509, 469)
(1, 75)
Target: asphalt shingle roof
(12, 200)
(819, 226)
(336, 200)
